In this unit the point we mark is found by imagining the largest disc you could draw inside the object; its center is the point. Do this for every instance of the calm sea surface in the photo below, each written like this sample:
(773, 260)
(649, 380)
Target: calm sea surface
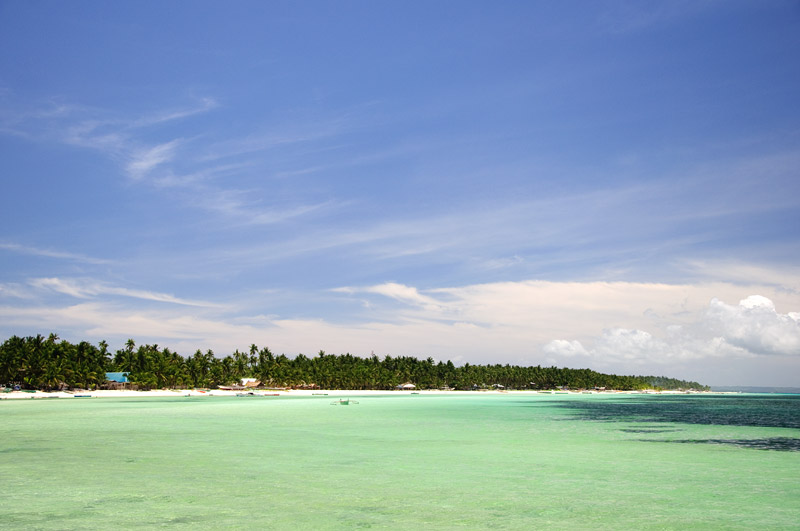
(423, 462)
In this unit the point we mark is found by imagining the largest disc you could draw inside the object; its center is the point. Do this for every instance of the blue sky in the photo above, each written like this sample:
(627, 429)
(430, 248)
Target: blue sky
(611, 185)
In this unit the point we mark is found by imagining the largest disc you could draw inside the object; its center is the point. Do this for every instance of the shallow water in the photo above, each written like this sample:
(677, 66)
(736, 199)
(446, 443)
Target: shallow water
(483, 461)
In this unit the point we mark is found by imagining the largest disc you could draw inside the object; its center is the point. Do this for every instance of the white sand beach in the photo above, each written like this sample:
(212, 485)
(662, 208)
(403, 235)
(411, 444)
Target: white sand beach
(21, 395)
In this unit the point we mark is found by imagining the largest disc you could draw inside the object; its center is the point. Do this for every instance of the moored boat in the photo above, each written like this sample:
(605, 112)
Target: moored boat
(343, 402)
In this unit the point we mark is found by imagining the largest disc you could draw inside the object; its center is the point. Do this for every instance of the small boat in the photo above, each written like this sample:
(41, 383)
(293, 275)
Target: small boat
(81, 396)
(343, 402)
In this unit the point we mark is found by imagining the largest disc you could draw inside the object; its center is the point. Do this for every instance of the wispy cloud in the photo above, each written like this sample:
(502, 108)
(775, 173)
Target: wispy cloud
(102, 320)
(191, 165)
(88, 289)
(501, 263)
(309, 131)
(785, 277)
(118, 137)
(205, 105)
(630, 16)
(145, 160)
(170, 178)
(14, 290)
(398, 292)
(242, 208)
(50, 253)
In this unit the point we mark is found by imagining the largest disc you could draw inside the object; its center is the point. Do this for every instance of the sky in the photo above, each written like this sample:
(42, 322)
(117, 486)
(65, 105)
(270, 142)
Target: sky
(612, 184)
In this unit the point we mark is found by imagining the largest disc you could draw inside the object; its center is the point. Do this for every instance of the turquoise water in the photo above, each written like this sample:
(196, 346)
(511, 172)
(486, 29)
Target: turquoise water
(434, 462)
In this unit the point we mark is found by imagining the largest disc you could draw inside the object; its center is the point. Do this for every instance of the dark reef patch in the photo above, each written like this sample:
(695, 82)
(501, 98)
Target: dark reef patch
(782, 444)
(768, 411)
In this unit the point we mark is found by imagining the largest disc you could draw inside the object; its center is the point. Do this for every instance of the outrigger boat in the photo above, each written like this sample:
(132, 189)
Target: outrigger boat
(343, 402)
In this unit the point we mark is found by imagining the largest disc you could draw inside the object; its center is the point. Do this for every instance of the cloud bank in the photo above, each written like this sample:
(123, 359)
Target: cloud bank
(686, 331)
(751, 328)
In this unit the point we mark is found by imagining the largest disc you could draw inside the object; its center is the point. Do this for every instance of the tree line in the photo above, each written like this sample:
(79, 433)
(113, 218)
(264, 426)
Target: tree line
(36, 362)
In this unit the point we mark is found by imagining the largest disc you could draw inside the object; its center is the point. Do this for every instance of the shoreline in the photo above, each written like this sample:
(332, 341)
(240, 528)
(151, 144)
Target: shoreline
(187, 393)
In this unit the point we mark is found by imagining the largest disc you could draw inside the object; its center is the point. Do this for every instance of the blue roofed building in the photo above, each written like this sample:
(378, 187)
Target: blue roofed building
(118, 381)
(119, 377)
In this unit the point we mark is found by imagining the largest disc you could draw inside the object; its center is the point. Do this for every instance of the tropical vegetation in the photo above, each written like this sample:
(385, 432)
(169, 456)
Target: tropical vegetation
(36, 362)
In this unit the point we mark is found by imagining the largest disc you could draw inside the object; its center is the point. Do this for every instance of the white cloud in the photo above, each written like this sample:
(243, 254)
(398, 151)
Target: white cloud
(143, 161)
(240, 205)
(630, 344)
(103, 320)
(49, 253)
(613, 327)
(564, 348)
(403, 293)
(184, 163)
(14, 290)
(501, 263)
(60, 286)
(787, 277)
(750, 329)
(755, 326)
(206, 104)
(616, 327)
(89, 289)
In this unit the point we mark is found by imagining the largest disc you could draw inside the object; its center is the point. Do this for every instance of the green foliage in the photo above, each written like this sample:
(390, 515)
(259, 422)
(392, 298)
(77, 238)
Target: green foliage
(39, 363)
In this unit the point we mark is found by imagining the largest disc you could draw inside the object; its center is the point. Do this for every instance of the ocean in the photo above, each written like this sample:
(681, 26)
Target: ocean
(499, 461)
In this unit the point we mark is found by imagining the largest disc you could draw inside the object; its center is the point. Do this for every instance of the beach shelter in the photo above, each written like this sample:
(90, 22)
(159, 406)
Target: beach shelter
(406, 386)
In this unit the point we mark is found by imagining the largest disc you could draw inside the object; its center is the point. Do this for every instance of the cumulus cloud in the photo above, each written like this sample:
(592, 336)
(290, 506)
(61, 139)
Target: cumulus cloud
(629, 344)
(751, 328)
(564, 348)
(755, 326)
